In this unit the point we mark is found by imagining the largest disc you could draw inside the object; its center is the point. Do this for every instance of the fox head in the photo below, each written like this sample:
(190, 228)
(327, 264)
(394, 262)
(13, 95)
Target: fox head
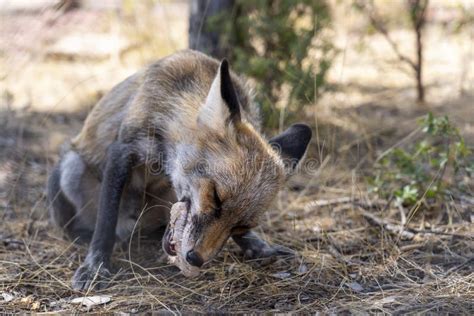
(227, 173)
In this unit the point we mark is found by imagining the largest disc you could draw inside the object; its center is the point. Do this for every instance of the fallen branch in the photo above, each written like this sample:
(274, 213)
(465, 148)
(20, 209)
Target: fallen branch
(320, 203)
(343, 200)
(405, 232)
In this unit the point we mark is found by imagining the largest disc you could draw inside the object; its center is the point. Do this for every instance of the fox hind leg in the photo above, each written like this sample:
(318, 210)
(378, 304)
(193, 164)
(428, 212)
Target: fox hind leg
(64, 199)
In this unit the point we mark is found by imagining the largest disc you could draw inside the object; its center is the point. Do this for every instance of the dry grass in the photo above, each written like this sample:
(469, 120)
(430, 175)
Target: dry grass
(352, 256)
(347, 261)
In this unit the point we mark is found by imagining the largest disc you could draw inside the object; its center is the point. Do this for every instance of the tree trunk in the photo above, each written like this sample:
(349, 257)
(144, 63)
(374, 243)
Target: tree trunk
(420, 88)
(418, 18)
(200, 36)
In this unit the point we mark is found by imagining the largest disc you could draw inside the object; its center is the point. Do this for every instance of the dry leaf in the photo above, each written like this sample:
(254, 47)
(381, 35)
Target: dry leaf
(355, 286)
(90, 301)
(281, 275)
(36, 305)
(7, 297)
(383, 301)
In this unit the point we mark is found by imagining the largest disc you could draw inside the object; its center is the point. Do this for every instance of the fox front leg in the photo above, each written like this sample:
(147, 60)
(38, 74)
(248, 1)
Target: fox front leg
(95, 268)
(254, 247)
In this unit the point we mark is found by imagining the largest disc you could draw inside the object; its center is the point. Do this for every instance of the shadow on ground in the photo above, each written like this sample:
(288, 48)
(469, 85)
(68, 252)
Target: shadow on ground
(346, 262)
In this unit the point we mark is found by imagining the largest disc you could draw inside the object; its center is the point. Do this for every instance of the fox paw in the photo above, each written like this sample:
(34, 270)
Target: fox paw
(90, 275)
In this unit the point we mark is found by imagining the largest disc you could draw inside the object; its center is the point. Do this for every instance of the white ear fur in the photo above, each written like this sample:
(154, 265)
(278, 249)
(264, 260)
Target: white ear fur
(214, 112)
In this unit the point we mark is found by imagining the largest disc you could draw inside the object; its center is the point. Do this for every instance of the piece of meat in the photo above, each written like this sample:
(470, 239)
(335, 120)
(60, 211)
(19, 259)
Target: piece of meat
(177, 226)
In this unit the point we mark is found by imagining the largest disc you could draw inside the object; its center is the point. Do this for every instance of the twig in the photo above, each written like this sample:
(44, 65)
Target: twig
(403, 140)
(337, 254)
(376, 22)
(434, 232)
(411, 247)
(344, 200)
(403, 217)
(320, 203)
(397, 229)
(457, 267)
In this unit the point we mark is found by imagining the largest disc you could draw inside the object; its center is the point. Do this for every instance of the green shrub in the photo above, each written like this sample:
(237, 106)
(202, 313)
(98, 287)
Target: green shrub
(282, 45)
(430, 170)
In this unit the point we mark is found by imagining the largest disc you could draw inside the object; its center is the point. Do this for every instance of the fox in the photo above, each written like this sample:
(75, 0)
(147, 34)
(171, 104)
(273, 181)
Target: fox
(186, 128)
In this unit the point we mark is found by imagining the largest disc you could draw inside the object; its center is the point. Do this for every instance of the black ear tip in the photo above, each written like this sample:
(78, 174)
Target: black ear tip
(228, 92)
(224, 65)
(303, 131)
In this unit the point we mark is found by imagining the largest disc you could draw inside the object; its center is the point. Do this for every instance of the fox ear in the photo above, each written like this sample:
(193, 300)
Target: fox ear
(222, 104)
(292, 144)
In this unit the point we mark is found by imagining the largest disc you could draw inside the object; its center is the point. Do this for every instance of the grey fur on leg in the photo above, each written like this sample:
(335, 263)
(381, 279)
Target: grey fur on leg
(61, 210)
(95, 270)
(72, 170)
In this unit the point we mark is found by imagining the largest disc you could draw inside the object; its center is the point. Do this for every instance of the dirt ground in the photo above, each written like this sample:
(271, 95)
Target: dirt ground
(348, 261)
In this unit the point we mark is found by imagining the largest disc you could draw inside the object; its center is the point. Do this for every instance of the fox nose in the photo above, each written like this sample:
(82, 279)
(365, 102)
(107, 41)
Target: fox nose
(194, 259)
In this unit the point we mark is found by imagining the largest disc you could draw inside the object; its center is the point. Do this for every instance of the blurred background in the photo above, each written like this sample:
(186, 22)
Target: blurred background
(361, 72)
(62, 55)
(387, 86)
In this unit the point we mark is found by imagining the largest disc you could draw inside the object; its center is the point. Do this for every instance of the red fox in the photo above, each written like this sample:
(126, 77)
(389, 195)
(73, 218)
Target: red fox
(184, 129)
